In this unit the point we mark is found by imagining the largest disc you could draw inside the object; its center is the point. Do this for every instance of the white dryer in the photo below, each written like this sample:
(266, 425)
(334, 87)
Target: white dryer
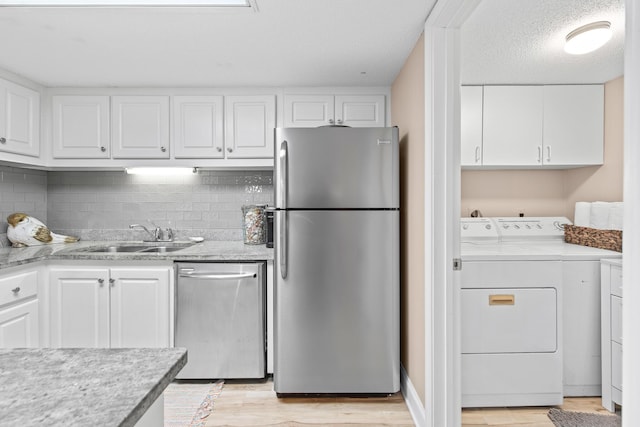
(530, 310)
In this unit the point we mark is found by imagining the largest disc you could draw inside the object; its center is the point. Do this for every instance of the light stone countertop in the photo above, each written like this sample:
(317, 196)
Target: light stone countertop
(205, 251)
(83, 387)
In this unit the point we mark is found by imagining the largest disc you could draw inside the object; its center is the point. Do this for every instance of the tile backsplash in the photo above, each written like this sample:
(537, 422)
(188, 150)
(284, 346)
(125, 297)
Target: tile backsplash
(102, 205)
(21, 190)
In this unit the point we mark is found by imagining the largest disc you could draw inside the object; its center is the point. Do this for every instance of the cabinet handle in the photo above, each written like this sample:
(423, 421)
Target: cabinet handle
(3, 140)
(477, 154)
(112, 281)
(548, 153)
(101, 281)
(539, 154)
(103, 149)
(163, 149)
(230, 150)
(15, 290)
(218, 149)
(330, 121)
(502, 299)
(339, 121)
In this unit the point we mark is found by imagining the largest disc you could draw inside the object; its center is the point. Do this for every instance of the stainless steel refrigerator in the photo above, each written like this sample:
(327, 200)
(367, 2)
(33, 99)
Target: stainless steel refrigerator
(337, 309)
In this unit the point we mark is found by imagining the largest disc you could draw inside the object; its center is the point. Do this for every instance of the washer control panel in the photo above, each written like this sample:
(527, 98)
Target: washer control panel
(512, 228)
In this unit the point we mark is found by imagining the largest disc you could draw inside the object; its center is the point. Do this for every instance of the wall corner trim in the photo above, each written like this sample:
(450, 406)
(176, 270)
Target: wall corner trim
(411, 398)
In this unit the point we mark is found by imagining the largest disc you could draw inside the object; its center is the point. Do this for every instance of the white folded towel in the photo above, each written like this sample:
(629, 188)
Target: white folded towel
(616, 212)
(582, 214)
(599, 217)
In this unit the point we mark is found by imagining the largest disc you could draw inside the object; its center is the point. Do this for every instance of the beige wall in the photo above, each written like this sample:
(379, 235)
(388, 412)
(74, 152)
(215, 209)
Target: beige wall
(407, 112)
(552, 192)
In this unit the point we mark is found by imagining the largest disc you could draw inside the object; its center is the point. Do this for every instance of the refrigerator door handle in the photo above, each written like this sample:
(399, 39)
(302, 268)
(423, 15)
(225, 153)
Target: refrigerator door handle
(284, 178)
(283, 225)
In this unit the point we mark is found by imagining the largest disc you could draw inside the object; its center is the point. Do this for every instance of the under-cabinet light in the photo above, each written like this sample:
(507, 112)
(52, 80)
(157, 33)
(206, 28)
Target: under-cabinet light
(161, 171)
(124, 3)
(588, 38)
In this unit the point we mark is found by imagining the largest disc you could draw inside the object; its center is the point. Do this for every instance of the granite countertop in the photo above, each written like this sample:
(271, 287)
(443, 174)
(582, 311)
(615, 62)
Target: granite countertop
(83, 387)
(205, 251)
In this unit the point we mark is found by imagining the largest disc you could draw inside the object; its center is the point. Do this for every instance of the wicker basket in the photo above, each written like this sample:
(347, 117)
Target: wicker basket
(585, 236)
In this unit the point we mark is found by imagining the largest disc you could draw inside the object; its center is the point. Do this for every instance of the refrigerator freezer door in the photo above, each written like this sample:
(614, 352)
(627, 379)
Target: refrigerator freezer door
(337, 318)
(336, 168)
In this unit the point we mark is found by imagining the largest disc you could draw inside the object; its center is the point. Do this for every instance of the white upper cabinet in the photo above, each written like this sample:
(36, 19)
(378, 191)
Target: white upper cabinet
(198, 127)
(81, 127)
(551, 126)
(323, 110)
(360, 110)
(19, 119)
(471, 125)
(573, 125)
(308, 110)
(249, 124)
(140, 127)
(512, 125)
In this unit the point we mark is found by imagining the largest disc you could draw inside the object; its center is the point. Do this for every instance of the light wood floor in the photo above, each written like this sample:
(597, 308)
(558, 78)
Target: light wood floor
(256, 404)
(527, 417)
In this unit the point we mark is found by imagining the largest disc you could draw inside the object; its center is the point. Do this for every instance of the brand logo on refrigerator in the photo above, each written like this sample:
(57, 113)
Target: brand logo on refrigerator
(384, 141)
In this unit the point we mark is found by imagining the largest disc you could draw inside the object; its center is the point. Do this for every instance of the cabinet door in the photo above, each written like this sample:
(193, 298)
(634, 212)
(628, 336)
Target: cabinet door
(249, 126)
(19, 325)
(573, 125)
(471, 125)
(360, 110)
(140, 307)
(19, 119)
(81, 127)
(581, 328)
(512, 126)
(140, 127)
(79, 307)
(197, 127)
(308, 110)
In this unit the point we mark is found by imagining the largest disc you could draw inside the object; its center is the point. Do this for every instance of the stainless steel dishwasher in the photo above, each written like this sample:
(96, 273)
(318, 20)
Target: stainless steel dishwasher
(220, 319)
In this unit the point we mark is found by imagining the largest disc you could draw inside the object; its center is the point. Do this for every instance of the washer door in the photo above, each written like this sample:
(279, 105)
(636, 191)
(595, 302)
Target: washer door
(509, 320)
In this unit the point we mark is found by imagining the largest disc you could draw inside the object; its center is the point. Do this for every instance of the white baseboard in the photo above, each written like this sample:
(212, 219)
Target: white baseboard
(411, 398)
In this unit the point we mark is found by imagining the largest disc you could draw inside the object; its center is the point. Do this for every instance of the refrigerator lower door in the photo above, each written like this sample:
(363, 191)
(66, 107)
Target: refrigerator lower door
(337, 319)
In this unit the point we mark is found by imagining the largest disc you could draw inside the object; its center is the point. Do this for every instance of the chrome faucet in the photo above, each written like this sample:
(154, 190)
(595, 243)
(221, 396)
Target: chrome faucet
(156, 234)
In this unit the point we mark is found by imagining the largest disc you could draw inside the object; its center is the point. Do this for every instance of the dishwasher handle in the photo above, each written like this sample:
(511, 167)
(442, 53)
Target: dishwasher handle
(218, 276)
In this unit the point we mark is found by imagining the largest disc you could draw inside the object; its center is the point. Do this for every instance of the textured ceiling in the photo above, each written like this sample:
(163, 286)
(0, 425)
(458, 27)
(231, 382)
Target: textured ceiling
(287, 42)
(521, 42)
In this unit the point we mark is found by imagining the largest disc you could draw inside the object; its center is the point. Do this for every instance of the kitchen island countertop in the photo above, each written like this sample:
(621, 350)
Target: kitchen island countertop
(205, 251)
(83, 387)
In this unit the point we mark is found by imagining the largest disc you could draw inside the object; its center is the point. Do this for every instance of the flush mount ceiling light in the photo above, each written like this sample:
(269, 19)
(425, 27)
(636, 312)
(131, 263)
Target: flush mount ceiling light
(588, 38)
(125, 3)
(161, 171)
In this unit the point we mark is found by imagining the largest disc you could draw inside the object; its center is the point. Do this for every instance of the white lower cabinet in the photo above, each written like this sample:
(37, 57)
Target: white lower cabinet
(110, 307)
(611, 306)
(582, 371)
(19, 309)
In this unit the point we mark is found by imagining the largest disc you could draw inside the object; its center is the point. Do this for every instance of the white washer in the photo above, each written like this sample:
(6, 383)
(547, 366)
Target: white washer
(530, 313)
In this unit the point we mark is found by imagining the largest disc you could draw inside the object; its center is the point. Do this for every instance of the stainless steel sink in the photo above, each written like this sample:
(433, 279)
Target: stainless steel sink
(152, 247)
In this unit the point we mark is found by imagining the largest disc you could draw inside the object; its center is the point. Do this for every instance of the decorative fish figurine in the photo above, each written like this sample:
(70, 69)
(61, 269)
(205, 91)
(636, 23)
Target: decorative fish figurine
(25, 230)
